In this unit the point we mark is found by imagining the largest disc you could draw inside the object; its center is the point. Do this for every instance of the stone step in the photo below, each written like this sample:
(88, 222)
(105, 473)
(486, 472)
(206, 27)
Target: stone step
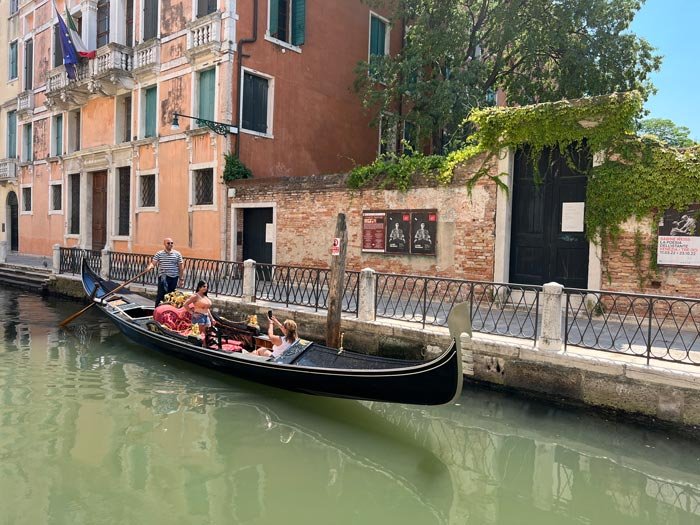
(26, 278)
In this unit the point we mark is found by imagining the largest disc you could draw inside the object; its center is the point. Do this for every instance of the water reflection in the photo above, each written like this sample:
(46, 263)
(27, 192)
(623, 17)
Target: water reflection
(96, 429)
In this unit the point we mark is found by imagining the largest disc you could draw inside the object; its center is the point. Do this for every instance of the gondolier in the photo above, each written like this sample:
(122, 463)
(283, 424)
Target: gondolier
(170, 266)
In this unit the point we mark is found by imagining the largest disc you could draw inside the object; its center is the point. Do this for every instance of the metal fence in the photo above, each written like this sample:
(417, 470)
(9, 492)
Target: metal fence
(69, 260)
(303, 286)
(648, 326)
(496, 308)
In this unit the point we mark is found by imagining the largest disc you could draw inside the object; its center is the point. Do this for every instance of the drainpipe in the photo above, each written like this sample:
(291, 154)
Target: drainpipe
(239, 49)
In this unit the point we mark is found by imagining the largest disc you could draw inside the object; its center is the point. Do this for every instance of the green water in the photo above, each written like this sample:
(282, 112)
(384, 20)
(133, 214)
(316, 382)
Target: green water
(95, 429)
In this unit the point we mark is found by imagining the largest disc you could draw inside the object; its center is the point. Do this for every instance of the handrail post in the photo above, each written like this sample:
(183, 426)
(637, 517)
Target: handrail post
(56, 266)
(425, 300)
(651, 313)
(104, 264)
(552, 296)
(249, 280)
(3, 252)
(366, 307)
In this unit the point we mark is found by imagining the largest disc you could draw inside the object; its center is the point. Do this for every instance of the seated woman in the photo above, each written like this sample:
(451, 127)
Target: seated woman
(201, 305)
(279, 344)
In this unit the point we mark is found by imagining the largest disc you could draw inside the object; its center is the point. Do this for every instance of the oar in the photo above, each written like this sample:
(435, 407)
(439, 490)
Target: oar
(81, 312)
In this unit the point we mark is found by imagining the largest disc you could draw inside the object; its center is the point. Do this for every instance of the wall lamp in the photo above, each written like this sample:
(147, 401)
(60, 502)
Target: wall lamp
(217, 127)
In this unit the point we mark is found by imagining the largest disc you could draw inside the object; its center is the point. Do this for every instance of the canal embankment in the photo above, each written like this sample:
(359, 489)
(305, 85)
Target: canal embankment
(661, 393)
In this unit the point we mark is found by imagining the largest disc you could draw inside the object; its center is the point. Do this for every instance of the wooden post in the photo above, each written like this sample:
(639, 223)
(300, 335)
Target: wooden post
(337, 282)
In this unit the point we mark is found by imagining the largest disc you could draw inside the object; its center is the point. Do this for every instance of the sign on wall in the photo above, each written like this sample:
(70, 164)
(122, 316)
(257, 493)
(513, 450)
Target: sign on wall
(679, 237)
(402, 232)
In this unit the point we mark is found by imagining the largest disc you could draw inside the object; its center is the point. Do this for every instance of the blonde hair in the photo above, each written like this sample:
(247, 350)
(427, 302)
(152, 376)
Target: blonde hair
(291, 328)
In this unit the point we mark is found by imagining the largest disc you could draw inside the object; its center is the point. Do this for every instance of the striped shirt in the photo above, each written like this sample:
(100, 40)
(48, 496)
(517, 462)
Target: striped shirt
(168, 263)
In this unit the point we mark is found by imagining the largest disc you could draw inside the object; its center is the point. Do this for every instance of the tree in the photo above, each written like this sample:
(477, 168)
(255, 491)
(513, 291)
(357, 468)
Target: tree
(458, 53)
(667, 131)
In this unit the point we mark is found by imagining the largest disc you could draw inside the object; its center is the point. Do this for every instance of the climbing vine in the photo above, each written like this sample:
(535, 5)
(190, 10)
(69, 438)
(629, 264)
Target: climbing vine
(640, 176)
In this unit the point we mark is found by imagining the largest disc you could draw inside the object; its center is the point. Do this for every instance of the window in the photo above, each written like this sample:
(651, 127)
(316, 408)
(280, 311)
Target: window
(206, 91)
(14, 6)
(123, 125)
(74, 220)
(205, 7)
(378, 36)
(255, 104)
(288, 21)
(203, 187)
(56, 197)
(129, 23)
(12, 135)
(57, 135)
(13, 61)
(29, 64)
(57, 50)
(27, 199)
(149, 112)
(27, 141)
(147, 193)
(73, 131)
(124, 196)
(102, 23)
(150, 19)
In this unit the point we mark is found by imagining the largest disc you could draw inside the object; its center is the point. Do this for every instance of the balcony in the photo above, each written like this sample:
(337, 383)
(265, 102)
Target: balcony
(8, 170)
(109, 71)
(25, 104)
(203, 35)
(146, 58)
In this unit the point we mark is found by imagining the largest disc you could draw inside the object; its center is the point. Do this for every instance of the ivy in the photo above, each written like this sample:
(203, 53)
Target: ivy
(234, 169)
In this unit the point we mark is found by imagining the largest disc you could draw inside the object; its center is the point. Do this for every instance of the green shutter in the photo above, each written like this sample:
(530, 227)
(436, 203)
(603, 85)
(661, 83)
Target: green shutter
(298, 22)
(274, 17)
(377, 37)
(27, 146)
(59, 134)
(207, 93)
(12, 135)
(150, 124)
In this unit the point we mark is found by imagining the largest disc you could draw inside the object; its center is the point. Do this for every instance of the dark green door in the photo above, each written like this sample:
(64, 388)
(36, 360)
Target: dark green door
(548, 242)
(255, 245)
(14, 221)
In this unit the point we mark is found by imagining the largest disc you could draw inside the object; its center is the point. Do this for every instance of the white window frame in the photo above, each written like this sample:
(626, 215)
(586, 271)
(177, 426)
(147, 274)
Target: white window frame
(54, 149)
(23, 187)
(200, 207)
(139, 207)
(277, 41)
(23, 157)
(270, 103)
(387, 34)
(52, 185)
(9, 52)
(120, 118)
(69, 139)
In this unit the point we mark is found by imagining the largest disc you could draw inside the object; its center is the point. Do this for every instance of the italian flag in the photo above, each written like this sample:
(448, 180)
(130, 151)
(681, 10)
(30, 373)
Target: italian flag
(75, 37)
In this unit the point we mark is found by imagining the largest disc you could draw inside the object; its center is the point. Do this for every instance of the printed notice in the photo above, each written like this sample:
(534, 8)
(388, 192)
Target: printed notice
(373, 231)
(572, 216)
(679, 237)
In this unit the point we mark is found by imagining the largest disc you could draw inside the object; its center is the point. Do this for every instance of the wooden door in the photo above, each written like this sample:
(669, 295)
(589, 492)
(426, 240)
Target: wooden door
(13, 213)
(99, 210)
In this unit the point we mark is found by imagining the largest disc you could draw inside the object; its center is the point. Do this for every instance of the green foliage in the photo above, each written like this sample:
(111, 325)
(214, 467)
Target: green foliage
(458, 53)
(397, 171)
(234, 169)
(666, 131)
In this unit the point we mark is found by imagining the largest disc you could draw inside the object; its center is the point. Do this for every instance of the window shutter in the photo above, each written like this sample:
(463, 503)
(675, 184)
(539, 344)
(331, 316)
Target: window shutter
(207, 93)
(59, 134)
(150, 127)
(28, 64)
(13, 60)
(274, 17)
(255, 103)
(12, 135)
(298, 22)
(377, 37)
(150, 19)
(202, 7)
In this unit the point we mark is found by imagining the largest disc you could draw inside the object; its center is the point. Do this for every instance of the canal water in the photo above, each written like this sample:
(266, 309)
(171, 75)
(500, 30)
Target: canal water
(95, 429)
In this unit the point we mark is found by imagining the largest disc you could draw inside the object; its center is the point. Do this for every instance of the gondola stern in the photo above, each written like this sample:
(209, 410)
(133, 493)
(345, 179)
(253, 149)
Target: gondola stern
(459, 322)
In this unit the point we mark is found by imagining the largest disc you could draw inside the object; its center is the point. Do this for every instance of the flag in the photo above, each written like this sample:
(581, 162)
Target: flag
(70, 55)
(75, 37)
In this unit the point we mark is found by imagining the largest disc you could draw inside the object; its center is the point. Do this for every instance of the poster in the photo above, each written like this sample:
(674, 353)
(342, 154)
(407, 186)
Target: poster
(373, 231)
(679, 237)
(423, 232)
(398, 228)
(572, 216)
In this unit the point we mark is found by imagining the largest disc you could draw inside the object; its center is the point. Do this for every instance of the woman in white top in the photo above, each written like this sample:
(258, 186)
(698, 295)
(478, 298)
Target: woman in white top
(279, 344)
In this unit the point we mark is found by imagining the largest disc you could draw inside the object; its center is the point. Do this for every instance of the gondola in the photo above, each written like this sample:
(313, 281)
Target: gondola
(306, 366)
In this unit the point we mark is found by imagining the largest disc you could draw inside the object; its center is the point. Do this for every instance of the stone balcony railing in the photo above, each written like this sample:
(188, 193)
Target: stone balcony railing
(203, 34)
(8, 170)
(147, 57)
(25, 103)
(103, 75)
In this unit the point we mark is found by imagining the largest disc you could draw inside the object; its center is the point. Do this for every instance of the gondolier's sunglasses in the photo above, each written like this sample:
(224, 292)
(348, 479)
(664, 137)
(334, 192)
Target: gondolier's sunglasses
(169, 243)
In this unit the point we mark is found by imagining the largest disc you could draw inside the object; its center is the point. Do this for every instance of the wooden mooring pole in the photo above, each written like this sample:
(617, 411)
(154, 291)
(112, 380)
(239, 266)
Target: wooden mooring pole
(337, 282)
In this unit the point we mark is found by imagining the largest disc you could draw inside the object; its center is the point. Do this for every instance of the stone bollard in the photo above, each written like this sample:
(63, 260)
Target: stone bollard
(249, 280)
(552, 297)
(56, 263)
(366, 307)
(104, 270)
(3, 252)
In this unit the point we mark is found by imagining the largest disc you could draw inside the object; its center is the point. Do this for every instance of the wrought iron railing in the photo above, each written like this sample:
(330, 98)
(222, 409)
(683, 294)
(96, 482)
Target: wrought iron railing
(125, 266)
(303, 286)
(70, 260)
(648, 326)
(502, 309)
(223, 277)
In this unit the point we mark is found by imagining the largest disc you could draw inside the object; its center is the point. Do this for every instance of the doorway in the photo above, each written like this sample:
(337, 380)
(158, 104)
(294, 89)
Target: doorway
(13, 221)
(257, 243)
(99, 210)
(548, 239)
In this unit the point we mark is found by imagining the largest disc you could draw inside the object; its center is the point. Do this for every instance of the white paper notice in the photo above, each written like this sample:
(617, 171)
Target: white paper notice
(572, 216)
(269, 232)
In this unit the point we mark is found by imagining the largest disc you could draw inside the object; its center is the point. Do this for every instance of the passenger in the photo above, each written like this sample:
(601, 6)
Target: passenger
(279, 344)
(201, 306)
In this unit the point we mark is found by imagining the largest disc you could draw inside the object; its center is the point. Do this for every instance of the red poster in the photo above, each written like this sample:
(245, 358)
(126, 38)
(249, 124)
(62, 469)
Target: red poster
(373, 231)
